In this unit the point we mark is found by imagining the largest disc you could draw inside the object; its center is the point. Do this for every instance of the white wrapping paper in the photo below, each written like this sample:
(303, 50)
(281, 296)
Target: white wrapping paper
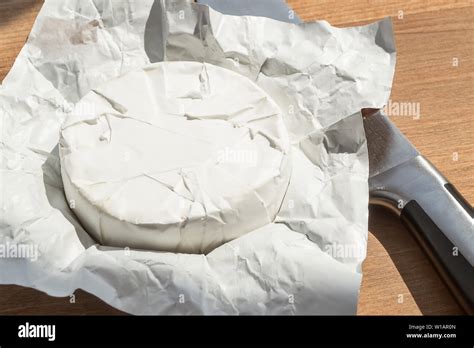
(307, 262)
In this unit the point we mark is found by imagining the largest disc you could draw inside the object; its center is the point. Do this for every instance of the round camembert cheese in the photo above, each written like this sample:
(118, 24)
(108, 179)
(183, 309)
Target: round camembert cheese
(177, 156)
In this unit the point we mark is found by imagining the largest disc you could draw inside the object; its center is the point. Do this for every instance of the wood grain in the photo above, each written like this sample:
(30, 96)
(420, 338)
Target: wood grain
(398, 278)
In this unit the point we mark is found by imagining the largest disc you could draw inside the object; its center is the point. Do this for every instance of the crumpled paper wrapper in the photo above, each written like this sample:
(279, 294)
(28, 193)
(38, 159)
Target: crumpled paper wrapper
(307, 262)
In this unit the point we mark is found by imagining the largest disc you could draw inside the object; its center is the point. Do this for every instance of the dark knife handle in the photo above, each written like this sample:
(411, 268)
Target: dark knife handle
(439, 217)
(455, 270)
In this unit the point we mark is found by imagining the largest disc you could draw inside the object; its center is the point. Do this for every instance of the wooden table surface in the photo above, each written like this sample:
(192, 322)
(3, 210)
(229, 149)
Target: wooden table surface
(430, 37)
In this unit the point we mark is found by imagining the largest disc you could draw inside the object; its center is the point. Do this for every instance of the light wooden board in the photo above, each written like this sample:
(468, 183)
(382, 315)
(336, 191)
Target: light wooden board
(398, 278)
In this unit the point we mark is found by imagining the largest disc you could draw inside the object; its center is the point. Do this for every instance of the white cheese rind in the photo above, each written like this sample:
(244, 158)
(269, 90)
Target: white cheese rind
(178, 156)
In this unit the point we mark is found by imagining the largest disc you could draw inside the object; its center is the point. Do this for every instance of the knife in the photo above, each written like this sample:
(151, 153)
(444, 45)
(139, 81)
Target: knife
(441, 220)
(404, 181)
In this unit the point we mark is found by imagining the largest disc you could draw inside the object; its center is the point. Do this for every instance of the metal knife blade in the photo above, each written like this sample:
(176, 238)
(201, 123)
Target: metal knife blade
(387, 146)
